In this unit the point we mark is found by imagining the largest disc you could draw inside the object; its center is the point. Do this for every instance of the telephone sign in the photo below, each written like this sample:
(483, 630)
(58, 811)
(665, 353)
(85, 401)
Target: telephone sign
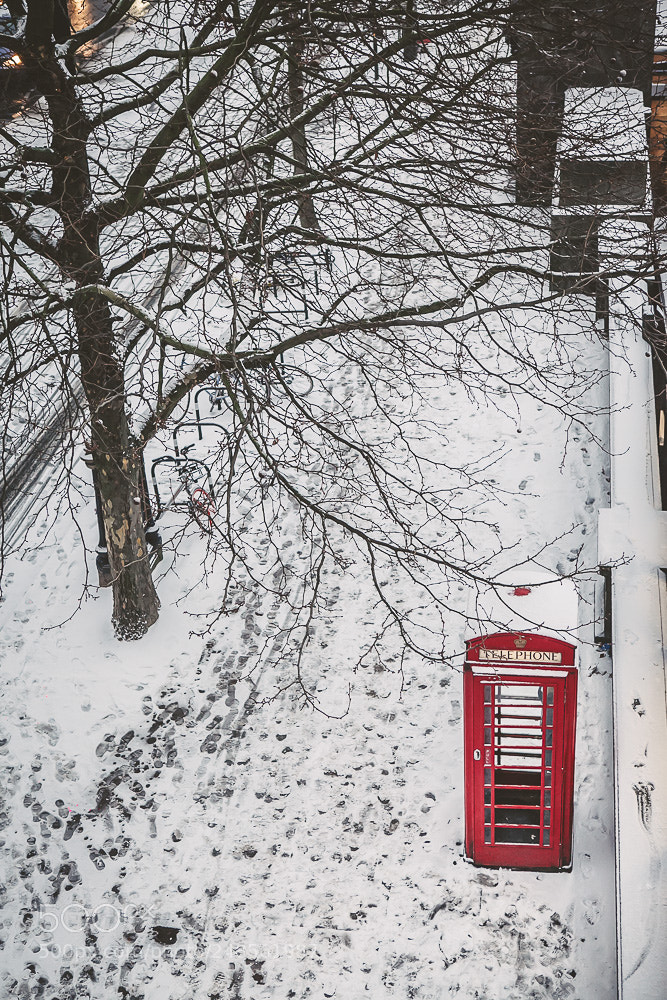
(520, 696)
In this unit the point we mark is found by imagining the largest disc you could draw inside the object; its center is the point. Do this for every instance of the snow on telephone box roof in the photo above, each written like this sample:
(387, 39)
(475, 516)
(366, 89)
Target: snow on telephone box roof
(534, 601)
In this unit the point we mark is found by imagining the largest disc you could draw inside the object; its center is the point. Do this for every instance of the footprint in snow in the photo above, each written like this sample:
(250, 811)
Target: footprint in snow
(106, 746)
(595, 822)
(50, 730)
(586, 866)
(210, 744)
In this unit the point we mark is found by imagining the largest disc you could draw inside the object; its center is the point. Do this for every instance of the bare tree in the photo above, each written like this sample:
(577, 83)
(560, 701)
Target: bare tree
(168, 206)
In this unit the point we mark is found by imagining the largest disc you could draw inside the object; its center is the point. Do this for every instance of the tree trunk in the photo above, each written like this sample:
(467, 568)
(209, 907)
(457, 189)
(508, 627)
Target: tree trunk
(118, 465)
(295, 85)
(135, 602)
(116, 458)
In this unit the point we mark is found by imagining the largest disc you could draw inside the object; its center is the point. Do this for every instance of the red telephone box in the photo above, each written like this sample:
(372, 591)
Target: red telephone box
(520, 696)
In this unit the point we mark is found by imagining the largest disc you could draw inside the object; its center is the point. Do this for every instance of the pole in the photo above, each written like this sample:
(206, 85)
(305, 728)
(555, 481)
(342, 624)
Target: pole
(152, 534)
(102, 558)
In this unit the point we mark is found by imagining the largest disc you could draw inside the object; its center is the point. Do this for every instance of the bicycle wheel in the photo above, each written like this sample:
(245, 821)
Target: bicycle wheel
(202, 508)
(298, 382)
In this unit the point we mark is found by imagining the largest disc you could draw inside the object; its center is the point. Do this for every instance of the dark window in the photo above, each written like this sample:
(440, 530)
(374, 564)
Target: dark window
(602, 182)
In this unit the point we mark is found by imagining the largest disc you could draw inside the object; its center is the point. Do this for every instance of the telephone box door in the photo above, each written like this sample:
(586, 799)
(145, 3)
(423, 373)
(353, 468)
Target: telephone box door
(519, 767)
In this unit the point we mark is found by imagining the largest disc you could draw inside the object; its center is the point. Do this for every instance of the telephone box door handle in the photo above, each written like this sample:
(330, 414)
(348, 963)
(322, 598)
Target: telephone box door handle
(477, 755)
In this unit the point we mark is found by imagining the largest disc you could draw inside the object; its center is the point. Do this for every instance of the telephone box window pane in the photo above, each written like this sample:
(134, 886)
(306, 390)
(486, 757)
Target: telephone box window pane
(516, 693)
(487, 775)
(487, 815)
(487, 737)
(487, 834)
(512, 758)
(487, 692)
(548, 758)
(517, 835)
(550, 717)
(487, 796)
(547, 838)
(547, 779)
(527, 817)
(547, 817)
(487, 715)
(549, 739)
(547, 799)
(518, 735)
(550, 696)
(511, 776)
(517, 797)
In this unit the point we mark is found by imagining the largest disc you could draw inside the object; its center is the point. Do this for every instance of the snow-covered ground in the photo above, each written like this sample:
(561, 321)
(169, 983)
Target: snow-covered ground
(176, 824)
